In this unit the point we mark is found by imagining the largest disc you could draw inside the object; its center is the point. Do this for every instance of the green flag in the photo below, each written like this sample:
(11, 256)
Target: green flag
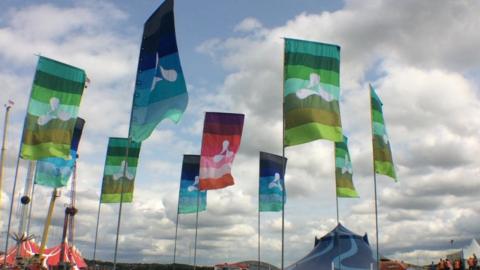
(114, 175)
(52, 111)
(311, 92)
(343, 170)
(382, 154)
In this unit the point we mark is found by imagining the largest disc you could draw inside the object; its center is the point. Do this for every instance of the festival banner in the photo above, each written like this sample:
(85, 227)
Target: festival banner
(160, 89)
(382, 154)
(189, 192)
(311, 92)
(55, 172)
(52, 111)
(115, 177)
(222, 134)
(344, 170)
(272, 182)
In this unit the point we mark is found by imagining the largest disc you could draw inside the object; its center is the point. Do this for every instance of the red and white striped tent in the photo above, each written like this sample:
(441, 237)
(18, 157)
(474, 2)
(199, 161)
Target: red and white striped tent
(27, 249)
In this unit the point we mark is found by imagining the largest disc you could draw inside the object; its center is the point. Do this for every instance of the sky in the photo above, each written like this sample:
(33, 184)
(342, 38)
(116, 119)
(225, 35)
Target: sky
(421, 56)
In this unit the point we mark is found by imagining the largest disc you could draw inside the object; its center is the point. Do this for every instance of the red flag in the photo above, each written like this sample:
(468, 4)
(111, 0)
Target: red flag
(222, 133)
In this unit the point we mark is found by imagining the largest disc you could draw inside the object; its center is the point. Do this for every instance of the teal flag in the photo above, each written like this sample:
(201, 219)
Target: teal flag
(382, 153)
(272, 182)
(160, 90)
(190, 196)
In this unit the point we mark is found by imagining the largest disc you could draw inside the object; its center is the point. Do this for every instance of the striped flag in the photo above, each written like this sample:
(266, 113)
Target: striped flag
(160, 91)
(189, 192)
(272, 182)
(54, 171)
(52, 111)
(114, 178)
(382, 154)
(344, 170)
(311, 92)
(222, 133)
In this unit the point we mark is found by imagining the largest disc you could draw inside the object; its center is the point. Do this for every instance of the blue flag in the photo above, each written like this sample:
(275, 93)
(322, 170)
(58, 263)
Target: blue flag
(54, 171)
(272, 184)
(189, 192)
(160, 90)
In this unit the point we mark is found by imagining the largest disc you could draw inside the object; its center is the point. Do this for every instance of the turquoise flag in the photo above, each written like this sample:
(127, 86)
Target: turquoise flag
(160, 90)
(188, 197)
(272, 184)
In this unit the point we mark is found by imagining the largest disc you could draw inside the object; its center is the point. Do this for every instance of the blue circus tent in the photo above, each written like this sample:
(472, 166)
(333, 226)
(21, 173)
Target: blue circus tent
(347, 251)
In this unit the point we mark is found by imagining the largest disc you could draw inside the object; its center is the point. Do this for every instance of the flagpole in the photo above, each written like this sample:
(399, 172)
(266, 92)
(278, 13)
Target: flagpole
(259, 171)
(374, 182)
(176, 228)
(338, 215)
(73, 198)
(55, 194)
(121, 201)
(8, 106)
(25, 201)
(96, 231)
(196, 232)
(30, 210)
(283, 159)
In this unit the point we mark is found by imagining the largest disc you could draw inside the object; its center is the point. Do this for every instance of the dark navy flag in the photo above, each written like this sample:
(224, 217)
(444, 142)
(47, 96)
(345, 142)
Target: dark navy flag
(160, 90)
(272, 184)
(189, 192)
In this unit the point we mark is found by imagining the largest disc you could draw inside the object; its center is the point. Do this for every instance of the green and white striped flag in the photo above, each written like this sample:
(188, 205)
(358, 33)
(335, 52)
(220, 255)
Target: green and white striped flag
(382, 153)
(113, 175)
(52, 111)
(311, 92)
(344, 170)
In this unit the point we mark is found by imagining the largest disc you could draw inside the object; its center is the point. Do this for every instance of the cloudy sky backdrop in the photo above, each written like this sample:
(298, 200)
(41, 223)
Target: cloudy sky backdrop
(422, 56)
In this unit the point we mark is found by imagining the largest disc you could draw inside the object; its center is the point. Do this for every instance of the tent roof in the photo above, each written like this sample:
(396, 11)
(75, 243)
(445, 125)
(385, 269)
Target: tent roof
(340, 246)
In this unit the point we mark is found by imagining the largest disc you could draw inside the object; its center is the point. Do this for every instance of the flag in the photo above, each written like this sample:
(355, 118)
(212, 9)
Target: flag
(113, 174)
(189, 192)
(344, 170)
(222, 133)
(272, 182)
(311, 92)
(52, 111)
(160, 90)
(54, 171)
(382, 154)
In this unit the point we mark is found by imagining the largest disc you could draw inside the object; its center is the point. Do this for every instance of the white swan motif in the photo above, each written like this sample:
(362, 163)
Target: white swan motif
(276, 183)
(119, 174)
(311, 89)
(225, 153)
(166, 74)
(347, 167)
(54, 113)
(194, 186)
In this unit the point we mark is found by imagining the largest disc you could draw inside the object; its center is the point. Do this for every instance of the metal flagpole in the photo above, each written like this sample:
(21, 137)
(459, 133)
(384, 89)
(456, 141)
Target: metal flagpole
(283, 160)
(338, 215)
(259, 170)
(96, 231)
(196, 232)
(73, 195)
(121, 202)
(4, 147)
(30, 210)
(374, 183)
(176, 229)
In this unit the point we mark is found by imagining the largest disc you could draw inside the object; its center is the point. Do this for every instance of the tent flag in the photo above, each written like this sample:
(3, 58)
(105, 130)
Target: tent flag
(272, 182)
(54, 171)
(382, 154)
(311, 92)
(113, 173)
(343, 170)
(52, 111)
(187, 201)
(222, 133)
(160, 90)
